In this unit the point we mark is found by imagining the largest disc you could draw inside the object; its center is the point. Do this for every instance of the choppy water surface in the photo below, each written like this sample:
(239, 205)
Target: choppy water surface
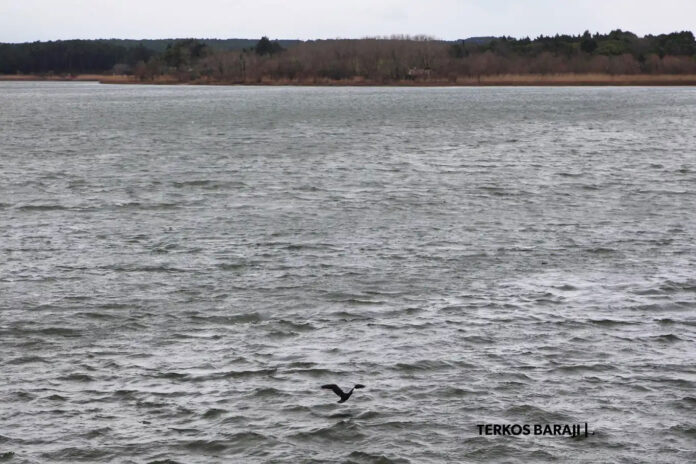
(181, 268)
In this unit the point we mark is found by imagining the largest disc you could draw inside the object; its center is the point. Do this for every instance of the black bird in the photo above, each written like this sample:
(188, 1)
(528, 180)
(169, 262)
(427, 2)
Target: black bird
(337, 390)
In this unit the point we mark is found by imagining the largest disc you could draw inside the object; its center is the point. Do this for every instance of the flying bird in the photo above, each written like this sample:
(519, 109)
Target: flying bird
(337, 390)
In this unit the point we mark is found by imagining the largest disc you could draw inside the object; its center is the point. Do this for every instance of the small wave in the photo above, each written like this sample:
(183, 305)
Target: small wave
(56, 398)
(95, 315)
(179, 336)
(27, 360)
(267, 392)
(297, 408)
(206, 446)
(451, 392)
(235, 419)
(650, 307)
(192, 183)
(311, 372)
(424, 365)
(185, 430)
(151, 206)
(298, 326)
(130, 394)
(639, 387)
(498, 191)
(585, 368)
(246, 437)
(475, 339)
(667, 338)
(41, 208)
(241, 441)
(610, 322)
(493, 453)
(681, 383)
(571, 174)
(275, 334)
(535, 414)
(231, 319)
(97, 432)
(76, 377)
(231, 266)
(210, 184)
(687, 430)
(24, 396)
(61, 331)
(213, 413)
(344, 431)
(308, 246)
(687, 403)
(234, 374)
(666, 192)
(171, 375)
(601, 250)
(163, 248)
(73, 454)
(648, 291)
(349, 316)
(159, 405)
(360, 457)
(302, 364)
(135, 268)
(113, 306)
(353, 301)
(676, 287)
(369, 415)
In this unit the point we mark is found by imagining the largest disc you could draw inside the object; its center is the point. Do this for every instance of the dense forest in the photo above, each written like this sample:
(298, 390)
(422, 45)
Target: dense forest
(371, 60)
(160, 45)
(68, 57)
(101, 56)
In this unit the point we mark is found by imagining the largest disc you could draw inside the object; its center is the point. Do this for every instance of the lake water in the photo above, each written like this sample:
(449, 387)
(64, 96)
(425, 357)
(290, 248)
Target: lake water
(182, 268)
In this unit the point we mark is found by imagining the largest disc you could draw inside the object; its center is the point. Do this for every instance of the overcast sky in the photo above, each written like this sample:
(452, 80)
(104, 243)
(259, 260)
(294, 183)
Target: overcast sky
(29, 20)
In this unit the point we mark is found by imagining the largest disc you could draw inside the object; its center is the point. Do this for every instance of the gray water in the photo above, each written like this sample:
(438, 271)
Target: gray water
(181, 269)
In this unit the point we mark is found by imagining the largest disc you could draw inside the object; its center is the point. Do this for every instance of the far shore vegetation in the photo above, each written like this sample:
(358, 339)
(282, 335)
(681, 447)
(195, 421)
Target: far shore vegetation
(617, 58)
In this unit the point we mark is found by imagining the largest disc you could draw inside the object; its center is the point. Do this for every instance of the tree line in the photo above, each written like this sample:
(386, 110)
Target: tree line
(110, 55)
(68, 57)
(615, 43)
(402, 58)
(378, 60)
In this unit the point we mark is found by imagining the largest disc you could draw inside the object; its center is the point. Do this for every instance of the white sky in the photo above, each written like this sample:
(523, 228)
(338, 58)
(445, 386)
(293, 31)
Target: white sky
(29, 20)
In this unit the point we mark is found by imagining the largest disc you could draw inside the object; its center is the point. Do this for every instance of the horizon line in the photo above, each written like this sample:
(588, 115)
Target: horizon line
(368, 37)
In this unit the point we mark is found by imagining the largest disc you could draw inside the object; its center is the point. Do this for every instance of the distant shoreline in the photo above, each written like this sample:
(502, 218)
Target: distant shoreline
(532, 80)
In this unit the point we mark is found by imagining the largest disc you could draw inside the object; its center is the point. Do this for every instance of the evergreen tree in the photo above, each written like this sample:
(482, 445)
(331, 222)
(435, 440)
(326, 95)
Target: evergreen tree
(266, 47)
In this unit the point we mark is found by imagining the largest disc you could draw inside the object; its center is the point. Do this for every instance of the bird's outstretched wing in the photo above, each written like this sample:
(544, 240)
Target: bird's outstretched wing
(335, 388)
